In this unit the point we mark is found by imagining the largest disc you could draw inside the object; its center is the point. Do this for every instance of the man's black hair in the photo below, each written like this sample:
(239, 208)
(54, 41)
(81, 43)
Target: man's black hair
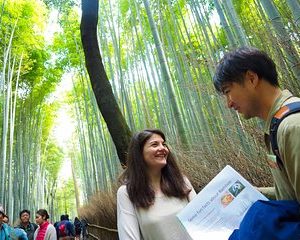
(235, 64)
(64, 217)
(24, 211)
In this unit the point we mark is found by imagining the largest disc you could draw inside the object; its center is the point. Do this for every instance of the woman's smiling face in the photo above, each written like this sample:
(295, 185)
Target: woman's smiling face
(155, 152)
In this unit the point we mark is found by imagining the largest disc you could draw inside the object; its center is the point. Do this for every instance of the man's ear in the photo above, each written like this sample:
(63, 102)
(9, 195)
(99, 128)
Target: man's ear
(252, 78)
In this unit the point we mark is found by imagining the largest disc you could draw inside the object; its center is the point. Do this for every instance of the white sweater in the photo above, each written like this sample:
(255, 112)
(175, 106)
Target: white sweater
(50, 233)
(157, 222)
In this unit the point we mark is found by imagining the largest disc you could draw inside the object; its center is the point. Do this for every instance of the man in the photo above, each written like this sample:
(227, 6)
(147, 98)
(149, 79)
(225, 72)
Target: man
(65, 229)
(26, 225)
(248, 79)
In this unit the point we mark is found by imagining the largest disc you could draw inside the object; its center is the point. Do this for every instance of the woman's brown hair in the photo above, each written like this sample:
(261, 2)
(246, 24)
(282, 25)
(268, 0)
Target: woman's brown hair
(43, 213)
(135, 176)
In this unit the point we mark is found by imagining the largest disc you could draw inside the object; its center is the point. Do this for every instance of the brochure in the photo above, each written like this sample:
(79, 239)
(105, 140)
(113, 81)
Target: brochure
(220, 207)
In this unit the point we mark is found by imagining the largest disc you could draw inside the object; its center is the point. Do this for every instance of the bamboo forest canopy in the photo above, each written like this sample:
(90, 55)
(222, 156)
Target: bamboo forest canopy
(159, 57)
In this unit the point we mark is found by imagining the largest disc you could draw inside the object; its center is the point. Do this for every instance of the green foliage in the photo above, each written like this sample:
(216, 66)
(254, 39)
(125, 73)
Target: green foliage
(35, 154)
(67, 42)
(39, 75)
(221, 36)
(52, 160)
(124, 36)
(20, 14)
(65, 199)
(62, 5)
(251, 19)
(49, 115)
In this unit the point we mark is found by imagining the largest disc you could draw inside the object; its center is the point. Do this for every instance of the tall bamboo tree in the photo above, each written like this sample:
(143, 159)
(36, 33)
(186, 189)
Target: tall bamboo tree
(101, 87)
(283, 37)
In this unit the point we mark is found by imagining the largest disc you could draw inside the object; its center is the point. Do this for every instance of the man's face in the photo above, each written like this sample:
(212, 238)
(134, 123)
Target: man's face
(242, 98)
(25, 217)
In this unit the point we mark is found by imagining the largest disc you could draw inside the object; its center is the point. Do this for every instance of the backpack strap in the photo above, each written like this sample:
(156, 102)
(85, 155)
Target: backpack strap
(281, 114)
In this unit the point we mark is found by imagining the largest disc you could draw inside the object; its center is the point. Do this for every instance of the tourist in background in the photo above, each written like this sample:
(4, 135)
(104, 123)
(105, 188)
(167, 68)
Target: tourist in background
(45, 230)
(65, 229)
(78, 227)
(26, 225)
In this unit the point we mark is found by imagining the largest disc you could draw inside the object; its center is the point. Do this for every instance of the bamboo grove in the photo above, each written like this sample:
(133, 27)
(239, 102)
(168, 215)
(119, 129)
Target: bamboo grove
(159, 57)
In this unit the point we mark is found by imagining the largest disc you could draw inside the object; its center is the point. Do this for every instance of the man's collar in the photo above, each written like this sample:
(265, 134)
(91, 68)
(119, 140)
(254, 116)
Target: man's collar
(284, 95)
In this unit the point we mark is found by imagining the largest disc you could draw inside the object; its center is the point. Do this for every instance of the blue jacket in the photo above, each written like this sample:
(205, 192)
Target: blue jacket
(276, 220)
(68, 229)
(10, 233)
(18, 234)
(4, 232)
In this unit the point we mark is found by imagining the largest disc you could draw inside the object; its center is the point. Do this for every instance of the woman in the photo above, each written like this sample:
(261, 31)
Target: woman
(45, 230)
(154, 191)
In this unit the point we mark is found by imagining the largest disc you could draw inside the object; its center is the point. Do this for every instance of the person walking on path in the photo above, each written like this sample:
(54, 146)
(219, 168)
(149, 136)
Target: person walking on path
(65, 229)
(45, 230)
(78, 227)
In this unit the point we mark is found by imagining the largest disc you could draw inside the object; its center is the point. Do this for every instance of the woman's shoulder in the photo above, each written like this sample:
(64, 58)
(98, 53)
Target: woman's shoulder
(123, 196)
(186, 180)
(122, 190)
(192, 192)
(50, 226)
